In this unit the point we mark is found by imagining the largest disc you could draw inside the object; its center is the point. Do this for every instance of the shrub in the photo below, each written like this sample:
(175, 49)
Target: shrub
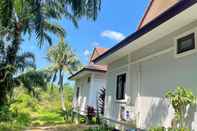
(5, 114)
(90, 113)
(180, 99)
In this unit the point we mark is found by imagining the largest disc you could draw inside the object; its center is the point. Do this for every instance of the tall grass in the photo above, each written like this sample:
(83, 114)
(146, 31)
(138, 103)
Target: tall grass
(26, 110)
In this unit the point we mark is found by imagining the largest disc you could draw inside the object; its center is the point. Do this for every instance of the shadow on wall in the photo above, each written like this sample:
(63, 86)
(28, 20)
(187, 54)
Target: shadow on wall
(158, 113)
(161, 113)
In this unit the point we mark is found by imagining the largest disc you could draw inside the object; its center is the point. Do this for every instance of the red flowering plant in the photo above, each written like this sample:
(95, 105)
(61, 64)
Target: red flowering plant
(91, 112)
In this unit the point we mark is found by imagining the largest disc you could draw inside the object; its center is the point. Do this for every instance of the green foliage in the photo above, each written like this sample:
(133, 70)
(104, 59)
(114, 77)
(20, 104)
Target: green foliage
(26, 110)
(63, 59)
(100, 128)
(19, 18)
(47, 118)
(13, 121)
(8, 126)
(5, 114)
(168, 129)
(180, 99)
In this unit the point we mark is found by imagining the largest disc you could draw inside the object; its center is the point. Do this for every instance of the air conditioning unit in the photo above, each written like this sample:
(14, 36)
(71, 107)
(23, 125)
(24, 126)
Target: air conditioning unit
(127, 113)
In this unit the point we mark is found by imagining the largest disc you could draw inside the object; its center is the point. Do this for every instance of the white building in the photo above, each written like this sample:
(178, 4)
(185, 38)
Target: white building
(159, 56)
(88, 82)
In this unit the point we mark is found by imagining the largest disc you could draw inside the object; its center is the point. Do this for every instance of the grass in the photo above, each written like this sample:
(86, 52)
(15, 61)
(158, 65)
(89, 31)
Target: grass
(28, 111)
(47, 118)
(65, 127)
(8, 126)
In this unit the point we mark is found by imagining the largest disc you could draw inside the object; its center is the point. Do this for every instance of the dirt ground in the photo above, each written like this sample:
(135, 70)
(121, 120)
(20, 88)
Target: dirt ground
(69, 127)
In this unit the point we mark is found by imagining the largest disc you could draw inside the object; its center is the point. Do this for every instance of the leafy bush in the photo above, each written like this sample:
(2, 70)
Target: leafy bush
(5, 114)
(180, 99)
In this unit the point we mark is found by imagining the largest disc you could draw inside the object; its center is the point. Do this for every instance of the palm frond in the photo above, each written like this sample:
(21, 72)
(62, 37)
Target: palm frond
(25, 60)
(33, 79)
(54, 28)
(88, 8)
(62, 56)
(6, 12)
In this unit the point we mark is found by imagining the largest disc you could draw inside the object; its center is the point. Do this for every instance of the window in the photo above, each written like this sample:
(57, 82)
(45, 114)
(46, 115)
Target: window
(186, 43)
(77, 93)
(120, 89)
(89, 79)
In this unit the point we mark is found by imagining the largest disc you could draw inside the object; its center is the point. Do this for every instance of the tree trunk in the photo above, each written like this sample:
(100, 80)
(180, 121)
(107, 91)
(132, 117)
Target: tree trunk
(62, 90)
(6, 83)
(3, 96)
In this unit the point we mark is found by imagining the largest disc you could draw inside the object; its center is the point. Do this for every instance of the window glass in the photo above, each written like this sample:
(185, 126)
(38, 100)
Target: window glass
(77, 93)
(121, 84)
(185, 43)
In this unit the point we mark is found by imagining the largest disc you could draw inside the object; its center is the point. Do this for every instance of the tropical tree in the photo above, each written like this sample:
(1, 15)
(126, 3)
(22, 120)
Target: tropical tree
(63, 60)
(27, 17)
(27, 79)
(180, 99)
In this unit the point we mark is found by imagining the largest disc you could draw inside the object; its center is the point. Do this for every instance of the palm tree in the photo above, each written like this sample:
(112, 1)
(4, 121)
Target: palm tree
(28, 80)
(21, 17)
(63, 59)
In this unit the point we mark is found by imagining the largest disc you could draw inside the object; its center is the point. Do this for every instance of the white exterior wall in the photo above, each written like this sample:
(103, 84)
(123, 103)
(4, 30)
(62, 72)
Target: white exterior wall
(112, 106)
(151, 72)
(98, 82)
(88, 91)
(82, 100)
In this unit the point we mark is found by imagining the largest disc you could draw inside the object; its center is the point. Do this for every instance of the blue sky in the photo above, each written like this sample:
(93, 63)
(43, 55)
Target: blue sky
(116, 20)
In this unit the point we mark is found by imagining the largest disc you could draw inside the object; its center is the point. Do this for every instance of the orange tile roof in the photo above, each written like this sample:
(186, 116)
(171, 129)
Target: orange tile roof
(155, 8)
(97, 52)
(91, 66)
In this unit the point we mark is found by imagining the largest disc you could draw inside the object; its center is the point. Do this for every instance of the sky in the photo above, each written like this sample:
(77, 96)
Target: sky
(116, 20)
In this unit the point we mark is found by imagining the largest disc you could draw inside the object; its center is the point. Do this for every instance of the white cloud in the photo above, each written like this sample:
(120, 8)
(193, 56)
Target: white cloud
(86, 52)
(96, 44)
(113, 35)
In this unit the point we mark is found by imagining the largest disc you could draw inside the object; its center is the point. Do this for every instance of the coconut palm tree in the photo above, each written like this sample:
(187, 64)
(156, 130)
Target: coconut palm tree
(63, 60)
(28, 80)
(27, 17)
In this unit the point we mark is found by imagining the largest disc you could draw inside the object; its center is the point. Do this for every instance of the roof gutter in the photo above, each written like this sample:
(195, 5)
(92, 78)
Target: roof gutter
(85, 69)
(168, 14)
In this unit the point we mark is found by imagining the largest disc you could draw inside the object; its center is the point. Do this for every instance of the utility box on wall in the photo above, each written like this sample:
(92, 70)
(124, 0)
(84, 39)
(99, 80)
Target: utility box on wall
(127, 113)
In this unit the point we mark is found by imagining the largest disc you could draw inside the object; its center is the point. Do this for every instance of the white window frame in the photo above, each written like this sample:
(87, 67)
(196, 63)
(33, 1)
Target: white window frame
(117, 74)
(189, 52)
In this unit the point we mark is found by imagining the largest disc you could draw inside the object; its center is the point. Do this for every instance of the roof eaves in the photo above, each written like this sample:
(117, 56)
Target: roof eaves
(86, 69)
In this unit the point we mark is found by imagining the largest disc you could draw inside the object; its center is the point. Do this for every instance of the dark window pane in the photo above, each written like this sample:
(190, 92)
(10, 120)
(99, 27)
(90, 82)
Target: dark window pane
(186, 43)
(121, 84)
(89, 79)
(77, 93)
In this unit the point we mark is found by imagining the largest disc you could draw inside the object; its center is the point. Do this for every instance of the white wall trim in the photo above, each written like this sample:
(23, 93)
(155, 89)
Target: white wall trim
(118, 68)
(152, 55)
(142, 59)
